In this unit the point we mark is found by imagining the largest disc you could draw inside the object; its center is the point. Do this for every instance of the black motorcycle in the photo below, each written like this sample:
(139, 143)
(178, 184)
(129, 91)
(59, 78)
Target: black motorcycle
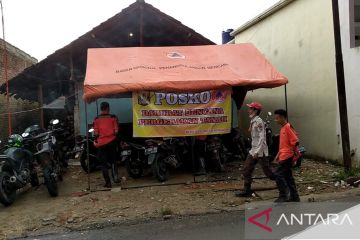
(80, 152)
(170, 152)
(138, 155)
(237, 145)
(64, 141)
(273, 142)
(271, 139)
(133, 155)
(216, 153)
(43, 146)
(16, 171)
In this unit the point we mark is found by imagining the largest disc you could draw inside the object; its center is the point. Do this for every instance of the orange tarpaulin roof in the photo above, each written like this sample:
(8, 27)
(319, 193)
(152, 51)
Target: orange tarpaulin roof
(112, 71)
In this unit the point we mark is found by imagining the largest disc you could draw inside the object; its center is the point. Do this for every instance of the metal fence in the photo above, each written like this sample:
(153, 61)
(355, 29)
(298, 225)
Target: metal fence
(23, 114)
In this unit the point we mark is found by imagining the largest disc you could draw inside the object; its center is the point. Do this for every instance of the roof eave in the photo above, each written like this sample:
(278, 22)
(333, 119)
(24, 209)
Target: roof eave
(273, 9)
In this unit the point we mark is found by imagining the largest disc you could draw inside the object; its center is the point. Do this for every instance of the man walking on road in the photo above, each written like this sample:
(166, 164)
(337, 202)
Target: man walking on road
(259, 150)
(106, 128)
(285, 159)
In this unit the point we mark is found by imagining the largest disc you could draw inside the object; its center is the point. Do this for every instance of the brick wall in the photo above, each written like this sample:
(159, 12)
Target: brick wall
(17, 62)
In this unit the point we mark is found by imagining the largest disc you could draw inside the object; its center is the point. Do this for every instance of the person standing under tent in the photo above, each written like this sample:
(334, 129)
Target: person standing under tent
(106, 128)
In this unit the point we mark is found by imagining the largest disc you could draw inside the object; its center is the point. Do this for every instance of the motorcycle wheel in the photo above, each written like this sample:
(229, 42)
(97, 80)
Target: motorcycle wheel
(58, 169)
(159, 167)
(133, 168)
(242, 151)
(50, 182)
(7, 196)
(83, 163)
(34, 180)
(218, 162)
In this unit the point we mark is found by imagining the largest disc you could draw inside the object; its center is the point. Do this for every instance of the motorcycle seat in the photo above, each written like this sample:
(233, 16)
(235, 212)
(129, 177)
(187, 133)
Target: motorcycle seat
(136, 146)
(152, 141)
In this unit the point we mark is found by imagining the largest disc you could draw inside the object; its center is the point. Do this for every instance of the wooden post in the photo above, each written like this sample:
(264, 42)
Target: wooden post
(41, 100)
(76, 103)
(345, 139)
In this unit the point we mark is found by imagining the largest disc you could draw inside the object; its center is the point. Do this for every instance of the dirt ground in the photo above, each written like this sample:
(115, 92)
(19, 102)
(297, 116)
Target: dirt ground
(35, 212)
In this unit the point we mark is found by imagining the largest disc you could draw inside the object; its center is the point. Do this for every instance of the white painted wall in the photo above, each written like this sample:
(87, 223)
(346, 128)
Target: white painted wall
(352, 77)
(298, 40)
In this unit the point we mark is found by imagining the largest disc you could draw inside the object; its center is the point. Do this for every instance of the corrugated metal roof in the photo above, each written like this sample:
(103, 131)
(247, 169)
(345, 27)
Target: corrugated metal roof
(53, 73)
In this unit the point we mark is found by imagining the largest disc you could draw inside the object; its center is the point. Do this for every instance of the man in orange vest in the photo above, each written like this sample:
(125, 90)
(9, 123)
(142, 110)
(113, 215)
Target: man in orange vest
(285, 159)
(106, 128)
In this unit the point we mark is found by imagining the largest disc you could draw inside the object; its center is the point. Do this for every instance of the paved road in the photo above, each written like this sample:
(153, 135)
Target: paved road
(224, 226)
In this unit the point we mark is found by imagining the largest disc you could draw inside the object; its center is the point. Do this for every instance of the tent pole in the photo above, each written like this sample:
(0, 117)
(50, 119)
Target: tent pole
(87, 146)
(286, 102)
(193, 157)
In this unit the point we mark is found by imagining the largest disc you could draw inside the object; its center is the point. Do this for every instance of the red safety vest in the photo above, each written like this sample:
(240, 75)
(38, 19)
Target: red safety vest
(106, 127)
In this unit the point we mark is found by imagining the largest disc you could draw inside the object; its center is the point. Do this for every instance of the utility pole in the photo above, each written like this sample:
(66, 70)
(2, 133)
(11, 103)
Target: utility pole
(5, 60)
(341, 87)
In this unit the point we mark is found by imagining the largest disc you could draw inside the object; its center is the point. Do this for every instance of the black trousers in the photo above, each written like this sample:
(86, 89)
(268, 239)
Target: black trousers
(108, 156)
(285, 180)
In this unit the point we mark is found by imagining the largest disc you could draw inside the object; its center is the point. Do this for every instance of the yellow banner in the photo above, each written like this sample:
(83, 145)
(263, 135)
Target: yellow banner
(160, 114)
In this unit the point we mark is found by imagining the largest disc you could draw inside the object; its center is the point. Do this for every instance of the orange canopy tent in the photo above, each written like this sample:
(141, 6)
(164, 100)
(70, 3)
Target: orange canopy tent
(112, 71)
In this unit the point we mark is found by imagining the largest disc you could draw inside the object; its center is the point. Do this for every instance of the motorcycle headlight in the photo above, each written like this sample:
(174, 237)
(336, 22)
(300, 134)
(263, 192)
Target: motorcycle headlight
(151, 150)
(24, 135)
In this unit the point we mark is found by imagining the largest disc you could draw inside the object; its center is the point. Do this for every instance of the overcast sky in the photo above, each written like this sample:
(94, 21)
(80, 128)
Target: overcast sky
(39, 27)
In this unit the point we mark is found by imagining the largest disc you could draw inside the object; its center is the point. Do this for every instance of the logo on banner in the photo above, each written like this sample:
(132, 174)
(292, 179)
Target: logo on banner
(175, 55)
(220, 96)
(144, 98)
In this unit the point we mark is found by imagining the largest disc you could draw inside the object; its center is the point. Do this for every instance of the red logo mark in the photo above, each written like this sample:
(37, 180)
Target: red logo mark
(267, 213)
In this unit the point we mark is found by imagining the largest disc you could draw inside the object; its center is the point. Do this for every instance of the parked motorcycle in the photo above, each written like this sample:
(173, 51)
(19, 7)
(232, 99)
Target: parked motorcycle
(215, 153)
(80, 152)
(273, 142)
(236, 144)
(133, 155)
(170, 152)
(65, 141)
(43, 146)
(271, 139)
(16, 170)
(138, 155)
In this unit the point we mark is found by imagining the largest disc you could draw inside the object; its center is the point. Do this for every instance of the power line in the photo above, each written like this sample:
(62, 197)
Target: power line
(38, 108)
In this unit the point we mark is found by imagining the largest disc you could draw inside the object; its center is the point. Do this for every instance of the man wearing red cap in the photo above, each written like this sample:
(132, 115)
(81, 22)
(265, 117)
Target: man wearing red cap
(259, 149)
